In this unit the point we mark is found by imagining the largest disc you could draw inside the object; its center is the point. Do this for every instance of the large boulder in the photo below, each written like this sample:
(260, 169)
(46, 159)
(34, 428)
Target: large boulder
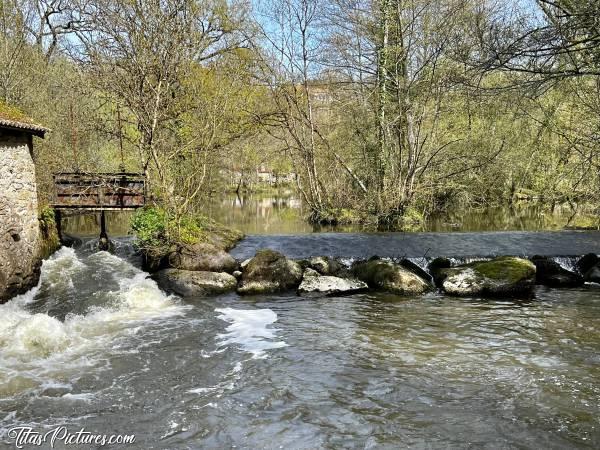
(269, 272)
(385, 275)
(313, 283)
(505, 276)
(436, 269)
(550, 273)
(201, 257)
(189, 283)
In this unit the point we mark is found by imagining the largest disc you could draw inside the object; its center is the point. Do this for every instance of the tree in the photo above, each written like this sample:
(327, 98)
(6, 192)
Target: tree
(140, 52)
(561, 40)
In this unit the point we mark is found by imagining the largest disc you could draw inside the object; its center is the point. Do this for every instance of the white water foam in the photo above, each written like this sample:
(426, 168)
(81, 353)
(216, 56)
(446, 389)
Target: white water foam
(249, 329)
(567, 263)
(39, 350)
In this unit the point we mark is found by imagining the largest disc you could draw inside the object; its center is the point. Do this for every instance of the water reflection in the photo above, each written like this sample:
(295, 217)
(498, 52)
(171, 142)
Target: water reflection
(278, 213)
(282, 212)
(88, 225)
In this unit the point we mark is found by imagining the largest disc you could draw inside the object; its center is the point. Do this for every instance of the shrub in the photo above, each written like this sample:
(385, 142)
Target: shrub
(150, 226)
(155, 230)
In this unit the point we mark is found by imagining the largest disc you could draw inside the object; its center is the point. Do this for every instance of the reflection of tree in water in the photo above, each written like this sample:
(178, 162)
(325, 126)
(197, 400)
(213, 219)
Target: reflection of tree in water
(270, 213)
(88, 224)
(284, 213)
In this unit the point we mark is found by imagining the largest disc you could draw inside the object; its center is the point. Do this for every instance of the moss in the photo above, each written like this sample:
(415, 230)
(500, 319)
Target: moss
(9, 112)
(505, 268)
(50, 241)
(378, 270)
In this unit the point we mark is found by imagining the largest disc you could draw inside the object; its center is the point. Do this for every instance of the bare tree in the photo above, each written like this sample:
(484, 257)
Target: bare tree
(140, 52)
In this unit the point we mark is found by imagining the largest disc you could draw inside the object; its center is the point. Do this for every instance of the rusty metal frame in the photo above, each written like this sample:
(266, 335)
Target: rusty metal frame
(99, 191)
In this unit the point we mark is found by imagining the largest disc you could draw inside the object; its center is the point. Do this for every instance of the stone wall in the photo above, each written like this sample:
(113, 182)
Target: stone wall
(19, 225)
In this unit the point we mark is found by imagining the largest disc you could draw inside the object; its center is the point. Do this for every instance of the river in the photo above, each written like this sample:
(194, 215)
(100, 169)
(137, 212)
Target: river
(98, 345)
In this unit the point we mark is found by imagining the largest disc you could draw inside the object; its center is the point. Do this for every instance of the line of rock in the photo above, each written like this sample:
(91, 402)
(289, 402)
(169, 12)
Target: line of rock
(202, 270)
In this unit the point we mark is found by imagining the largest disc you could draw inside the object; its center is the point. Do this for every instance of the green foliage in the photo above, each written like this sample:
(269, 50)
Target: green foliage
(50, 241)
(150, 225)
(47, 218)
(155, 229)
(455, 137)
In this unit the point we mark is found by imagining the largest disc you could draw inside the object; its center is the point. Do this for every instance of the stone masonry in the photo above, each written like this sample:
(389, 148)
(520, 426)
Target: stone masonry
(19, 225)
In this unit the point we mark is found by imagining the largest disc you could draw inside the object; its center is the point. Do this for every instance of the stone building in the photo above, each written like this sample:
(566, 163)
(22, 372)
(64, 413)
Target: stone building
(19, 224)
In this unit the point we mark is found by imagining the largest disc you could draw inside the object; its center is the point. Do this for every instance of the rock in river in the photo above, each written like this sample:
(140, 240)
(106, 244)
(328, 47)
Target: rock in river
(593, 275)
(313, 283)
(589, 267)
(385, 275)
(326, 266)
(189, 283)
(501, 276)
(587, 262)
(202, 257)
(550, 273)
(269, 272)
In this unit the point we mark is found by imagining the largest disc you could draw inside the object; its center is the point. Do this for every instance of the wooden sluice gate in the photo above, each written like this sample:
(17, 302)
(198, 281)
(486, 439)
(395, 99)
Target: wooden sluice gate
(97, 192)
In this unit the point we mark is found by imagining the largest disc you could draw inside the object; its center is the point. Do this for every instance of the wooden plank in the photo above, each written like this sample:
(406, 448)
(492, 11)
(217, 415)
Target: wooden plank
(99, 191)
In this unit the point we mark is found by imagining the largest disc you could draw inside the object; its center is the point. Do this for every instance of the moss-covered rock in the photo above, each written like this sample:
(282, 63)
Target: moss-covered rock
(592, 275)
(189, 283)
(188, 242)
(269, 272)
(436, 269)
(387, 276)
(325, 265)
(586, 262)
(504, 276)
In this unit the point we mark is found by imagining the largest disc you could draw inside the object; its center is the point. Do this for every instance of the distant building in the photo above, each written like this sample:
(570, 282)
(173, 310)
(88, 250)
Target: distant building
(19, 224)
(267, 175)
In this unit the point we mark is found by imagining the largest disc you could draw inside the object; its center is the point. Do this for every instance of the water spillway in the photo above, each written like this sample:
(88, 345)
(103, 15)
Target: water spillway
(416, 245)
(98, 345)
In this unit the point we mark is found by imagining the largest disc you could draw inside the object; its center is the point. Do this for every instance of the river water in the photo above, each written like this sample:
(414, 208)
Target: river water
(97, 345)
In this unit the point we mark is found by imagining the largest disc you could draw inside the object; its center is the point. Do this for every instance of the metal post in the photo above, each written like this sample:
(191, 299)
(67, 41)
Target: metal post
(103, 243)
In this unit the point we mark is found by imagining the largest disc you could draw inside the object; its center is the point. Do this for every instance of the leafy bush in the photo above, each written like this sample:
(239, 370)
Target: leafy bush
(150, 225)
(156, 229)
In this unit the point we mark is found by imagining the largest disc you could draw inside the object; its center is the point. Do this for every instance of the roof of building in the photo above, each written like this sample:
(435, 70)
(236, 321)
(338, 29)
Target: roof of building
(13, 119)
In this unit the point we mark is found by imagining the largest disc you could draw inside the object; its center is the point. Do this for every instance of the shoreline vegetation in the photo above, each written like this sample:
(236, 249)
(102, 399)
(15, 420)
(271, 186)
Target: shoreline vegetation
(160, 235)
